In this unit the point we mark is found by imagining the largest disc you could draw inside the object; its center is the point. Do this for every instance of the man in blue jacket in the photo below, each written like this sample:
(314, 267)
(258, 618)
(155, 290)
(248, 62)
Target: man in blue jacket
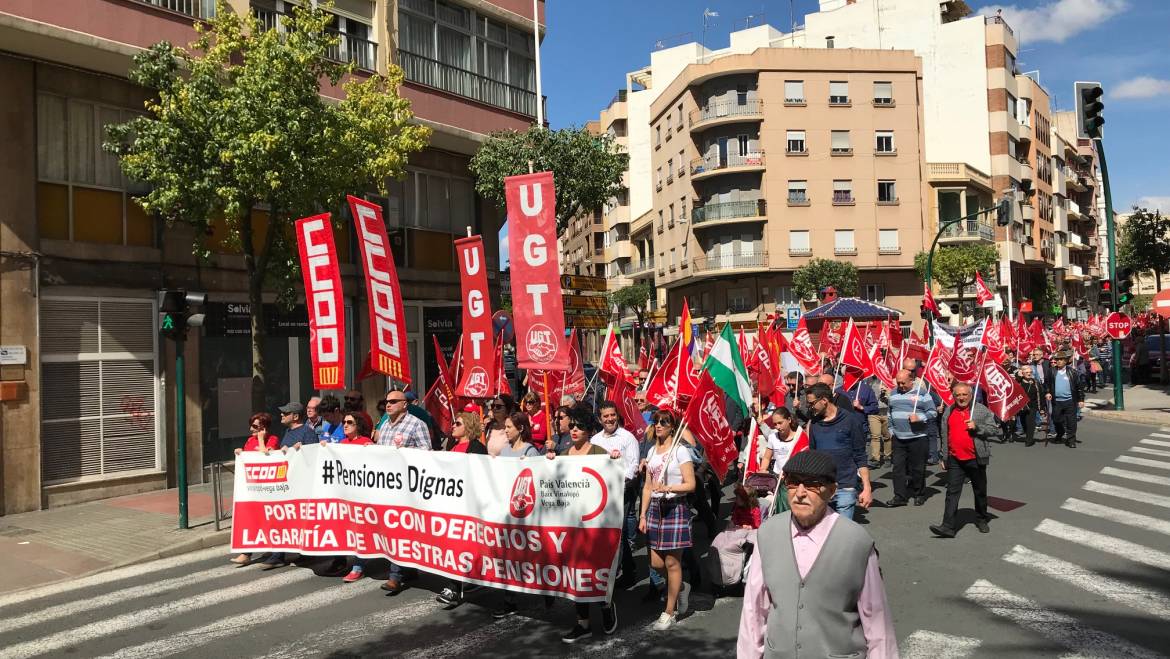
(842, 435)
(912, 413)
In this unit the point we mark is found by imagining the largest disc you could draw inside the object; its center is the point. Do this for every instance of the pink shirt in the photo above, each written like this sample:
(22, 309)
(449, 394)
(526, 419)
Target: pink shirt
(876, 622)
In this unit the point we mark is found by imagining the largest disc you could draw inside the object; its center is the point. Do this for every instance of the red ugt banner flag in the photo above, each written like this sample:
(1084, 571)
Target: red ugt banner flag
(536, 273)
(477, 319)
(388, 352)
(706, 418)
(323, 296)
(964, 364)
(937, 374)
(1005, 396)
(802, 349)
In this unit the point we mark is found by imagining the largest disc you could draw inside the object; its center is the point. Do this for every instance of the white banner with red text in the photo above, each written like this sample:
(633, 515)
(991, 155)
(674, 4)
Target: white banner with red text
(532, 525)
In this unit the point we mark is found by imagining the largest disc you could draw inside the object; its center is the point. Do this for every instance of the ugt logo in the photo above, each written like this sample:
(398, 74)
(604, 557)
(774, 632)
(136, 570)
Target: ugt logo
(276, 472)
(523, 499)
(477, 383)
(542, 345)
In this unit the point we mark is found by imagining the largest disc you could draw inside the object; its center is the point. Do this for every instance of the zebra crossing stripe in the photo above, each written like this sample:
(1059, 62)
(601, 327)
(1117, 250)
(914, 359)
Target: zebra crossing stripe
(1163, 435)
(1057, 627)
(341, 634)
(1136, 476)
(1154, 442)
(1157, 464)
(1116, 515)
(1150, 451)
(152, 613)
(924, 644)
(1106, 543)
(1126, 493)
(1131, 595)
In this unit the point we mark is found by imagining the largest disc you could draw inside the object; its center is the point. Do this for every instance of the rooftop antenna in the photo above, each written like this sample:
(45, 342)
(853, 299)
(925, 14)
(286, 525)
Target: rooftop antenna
(707, 16)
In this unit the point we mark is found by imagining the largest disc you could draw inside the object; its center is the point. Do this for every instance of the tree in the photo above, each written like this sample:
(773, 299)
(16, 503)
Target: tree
(955, 266)
(1145, 243)
(587, 169)
(819, 273)
(635, 297)
(239, 124)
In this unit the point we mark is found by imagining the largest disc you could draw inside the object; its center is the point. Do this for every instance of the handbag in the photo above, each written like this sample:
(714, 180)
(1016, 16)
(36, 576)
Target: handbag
(1095, 366)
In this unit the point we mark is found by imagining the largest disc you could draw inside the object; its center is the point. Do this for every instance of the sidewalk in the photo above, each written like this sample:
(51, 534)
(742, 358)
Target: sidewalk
(1148, 404)
(67, 542)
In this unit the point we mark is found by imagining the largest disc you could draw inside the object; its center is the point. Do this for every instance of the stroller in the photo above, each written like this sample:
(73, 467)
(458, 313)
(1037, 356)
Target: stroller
(730, 552)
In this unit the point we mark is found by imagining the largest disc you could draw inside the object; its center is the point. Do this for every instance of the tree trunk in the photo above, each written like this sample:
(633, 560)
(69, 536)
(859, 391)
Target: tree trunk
(960, 289)
(256, 266)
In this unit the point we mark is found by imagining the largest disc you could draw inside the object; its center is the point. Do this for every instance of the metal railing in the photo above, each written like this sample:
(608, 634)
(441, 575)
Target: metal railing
(740, 306)
(728, 211)
(433, 73)
(998, 20)
(730, 261)
(193, 8)
(714, 163)
(842, 197)
(751, 108)
(362, 52)
(971, 228)
(220, 507)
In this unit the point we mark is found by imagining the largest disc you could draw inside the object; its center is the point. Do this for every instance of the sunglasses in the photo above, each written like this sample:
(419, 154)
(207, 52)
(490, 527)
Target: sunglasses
(579, 426)
(497, 406)
(532, 402)
(256, 426)
(391, 401)
(457, 423)
(350, 422)
(351, 398)
(664, 422)
(809, 482)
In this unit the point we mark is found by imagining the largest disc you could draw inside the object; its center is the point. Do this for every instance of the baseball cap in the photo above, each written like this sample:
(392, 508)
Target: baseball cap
(292, 408)
(411, 396)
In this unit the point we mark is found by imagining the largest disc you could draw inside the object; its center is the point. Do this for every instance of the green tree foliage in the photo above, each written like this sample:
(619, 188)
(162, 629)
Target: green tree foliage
(587, 169)
(955, 266)
(239, 123)
(634, 297)
(1144, 243)
(818, 273)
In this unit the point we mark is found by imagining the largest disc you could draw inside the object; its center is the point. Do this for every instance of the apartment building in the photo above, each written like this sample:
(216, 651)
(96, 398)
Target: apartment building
(89, 413)
(1079, 205)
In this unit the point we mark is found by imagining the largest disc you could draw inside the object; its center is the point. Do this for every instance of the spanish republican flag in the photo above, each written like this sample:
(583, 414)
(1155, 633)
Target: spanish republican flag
(686, 330)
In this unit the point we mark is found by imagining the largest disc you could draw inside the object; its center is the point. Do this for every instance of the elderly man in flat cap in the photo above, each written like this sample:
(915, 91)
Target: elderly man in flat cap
(814, 588)
(1067, 396)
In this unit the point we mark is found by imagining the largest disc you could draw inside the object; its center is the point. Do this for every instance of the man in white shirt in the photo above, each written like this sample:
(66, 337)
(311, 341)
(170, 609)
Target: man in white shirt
(613, 437)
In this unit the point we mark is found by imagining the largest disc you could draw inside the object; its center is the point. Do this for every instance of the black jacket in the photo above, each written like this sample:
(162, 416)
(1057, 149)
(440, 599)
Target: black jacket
(1078, 394)
(1033, 390)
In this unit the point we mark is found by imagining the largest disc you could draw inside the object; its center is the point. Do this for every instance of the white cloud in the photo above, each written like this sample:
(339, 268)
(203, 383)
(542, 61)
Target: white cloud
(1154, 203)
(1141, 87)
(1058, 20)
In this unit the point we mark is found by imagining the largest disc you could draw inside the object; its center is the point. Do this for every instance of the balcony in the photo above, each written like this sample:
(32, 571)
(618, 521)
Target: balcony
(349, 48)
(1075, 242)
(433, 73)
(740, 306)
(702, 168)
(1025, 170)
(192, 8)
(729, 212)
(1074, 210)
(731, 262)
(972, 230)
(717, 114)
(1075, 272)
(842, 198)
(640, 267)
(956, 172)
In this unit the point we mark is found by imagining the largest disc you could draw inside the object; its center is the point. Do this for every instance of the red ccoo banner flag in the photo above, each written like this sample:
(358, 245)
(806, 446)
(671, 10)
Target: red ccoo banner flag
(536, 282)
(323, 297)
(477, 319)
(388, 347)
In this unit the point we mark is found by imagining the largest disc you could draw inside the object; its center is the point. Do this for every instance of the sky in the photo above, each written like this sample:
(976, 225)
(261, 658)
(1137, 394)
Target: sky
(592, 44)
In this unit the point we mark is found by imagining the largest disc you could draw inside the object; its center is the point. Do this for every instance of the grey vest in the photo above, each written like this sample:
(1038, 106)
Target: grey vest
(817, 616)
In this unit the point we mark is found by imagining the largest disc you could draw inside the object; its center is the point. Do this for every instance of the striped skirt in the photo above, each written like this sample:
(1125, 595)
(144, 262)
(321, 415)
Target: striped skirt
(668, 524)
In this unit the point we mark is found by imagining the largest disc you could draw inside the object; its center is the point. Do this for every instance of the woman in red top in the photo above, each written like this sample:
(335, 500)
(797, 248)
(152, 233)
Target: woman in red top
(356, 426)
(467, 431)
(535, 412)
(259, 441)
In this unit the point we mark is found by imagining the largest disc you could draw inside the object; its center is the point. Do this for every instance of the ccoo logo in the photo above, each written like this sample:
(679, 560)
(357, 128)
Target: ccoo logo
(276, 472)
(523, 499)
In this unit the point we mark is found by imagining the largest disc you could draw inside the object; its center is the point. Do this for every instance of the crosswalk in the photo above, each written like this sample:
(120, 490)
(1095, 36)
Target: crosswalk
(1105, 557)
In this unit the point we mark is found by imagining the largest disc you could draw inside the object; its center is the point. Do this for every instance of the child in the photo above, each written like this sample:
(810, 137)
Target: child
(745, 512)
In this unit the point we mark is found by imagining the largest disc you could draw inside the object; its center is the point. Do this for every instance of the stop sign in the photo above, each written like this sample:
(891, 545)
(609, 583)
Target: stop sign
(1118, 325)
(1161, 303)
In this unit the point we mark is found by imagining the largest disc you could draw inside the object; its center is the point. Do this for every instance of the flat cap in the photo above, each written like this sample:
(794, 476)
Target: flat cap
(292, 408)
(812, 463)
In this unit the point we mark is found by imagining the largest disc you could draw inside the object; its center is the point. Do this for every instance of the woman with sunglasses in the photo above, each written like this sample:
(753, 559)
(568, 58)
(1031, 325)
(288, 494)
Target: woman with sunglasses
(261, 441)
(530, 404)
(357, 429)
(499, 410)
(560, 438)
(467, 431)
(666, 515)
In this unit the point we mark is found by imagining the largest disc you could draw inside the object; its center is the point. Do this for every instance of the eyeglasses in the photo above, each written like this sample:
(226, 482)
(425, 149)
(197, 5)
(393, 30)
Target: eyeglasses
(532, 402)
(664, 422)
(497, 406)
(809, 482)
(579, 426)
(391, 401)
(256, 426)
(560, 417)
(350, 422)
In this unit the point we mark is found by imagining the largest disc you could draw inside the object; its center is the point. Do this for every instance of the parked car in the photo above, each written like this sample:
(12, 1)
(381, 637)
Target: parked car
(1156, 355)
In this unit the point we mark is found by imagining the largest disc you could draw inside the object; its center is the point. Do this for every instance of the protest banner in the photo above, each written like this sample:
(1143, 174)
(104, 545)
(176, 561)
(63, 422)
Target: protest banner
(478, 352)
(323, 298)
(388, 347)
(546, 527)
(538, 309)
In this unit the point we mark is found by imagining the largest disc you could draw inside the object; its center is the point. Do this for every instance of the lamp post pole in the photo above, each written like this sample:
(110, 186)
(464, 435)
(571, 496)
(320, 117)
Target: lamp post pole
(943, 225)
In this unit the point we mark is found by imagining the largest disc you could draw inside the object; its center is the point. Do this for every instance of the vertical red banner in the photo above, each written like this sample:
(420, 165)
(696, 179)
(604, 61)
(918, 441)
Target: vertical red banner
(323, 297)
(388, 347)
(477, 319)
(536, 283)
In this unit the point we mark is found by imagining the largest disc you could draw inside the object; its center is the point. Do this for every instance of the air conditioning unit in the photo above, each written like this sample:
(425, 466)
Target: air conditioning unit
(1046, 244)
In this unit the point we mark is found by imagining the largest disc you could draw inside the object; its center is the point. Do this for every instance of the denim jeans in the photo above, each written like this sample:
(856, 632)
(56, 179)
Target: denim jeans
(844, 501)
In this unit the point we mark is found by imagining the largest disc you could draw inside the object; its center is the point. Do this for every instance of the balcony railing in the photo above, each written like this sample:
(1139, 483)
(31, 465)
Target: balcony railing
(970, 229)
(998, 20)
(730, 261)
(842, 198)
(433, 73)
(193, 8)
(752, 108)
(740, 306)
(728, 211)
(714, 163)
(362, 52)
(635, 267)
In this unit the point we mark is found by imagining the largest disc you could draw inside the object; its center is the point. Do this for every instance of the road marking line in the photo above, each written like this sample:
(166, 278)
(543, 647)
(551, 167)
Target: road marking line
(1126, 493)
(117, 574)
(1054, 626)
(1157, 464)
(1162, 435)
(1150, 451)
(924, 644)
(237, 624)
(1131, 595)
(1122, 548)
(1136, 476)
(1117, 515)
(77, 637)
(74, 607)
(1153, 442)
(340, 635)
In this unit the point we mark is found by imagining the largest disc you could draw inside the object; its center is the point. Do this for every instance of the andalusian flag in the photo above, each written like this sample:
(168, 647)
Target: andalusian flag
(686, 330)
(725, 365)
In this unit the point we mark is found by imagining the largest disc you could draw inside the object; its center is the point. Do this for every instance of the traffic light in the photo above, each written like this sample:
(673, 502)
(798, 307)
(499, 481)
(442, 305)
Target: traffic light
(1089, 107)
(925, 313)
(1105, 293)
(1124, 286)
(179, 310)
(1003, 211)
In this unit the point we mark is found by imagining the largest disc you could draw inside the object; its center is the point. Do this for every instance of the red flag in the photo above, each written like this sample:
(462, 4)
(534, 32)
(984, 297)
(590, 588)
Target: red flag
(1058, 326)
(992, 340)
(762, 366)
(388, 346)
(445, 379)
(537, 309)
(753, 452)
(1005, 396)
(1037, 334)
(674, 382)
(623, 393)
(982, 292)
(1078, 343)
(706, 418)
(501, 375)
(1007, 332)
(964, 364)
(853, 351)
(612, 364)
(643, 357)
(478, 352)
(439, 406)
(928, 299)
(324, 299)
(832, 334)
(710, 343)
(885, 367)
(937, 374)
(742, 344)
(575, 379)
(802, 349)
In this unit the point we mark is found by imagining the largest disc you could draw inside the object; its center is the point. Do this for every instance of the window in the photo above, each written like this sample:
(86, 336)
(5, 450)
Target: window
(888, 241)
(840, 142)
(884, 141)
(673, 261)
(796, 141)
(883, 93)
(657, 136)
(743, 144)
(1013, 147)
(1009, 61)
(830, 42)
(660, 222)
(82, 194)
(798, 192)
(741, 94)
(843, 242)
(682, 163)
(785, 295)
(798, 241)
(886, 192)
(671, 217)
(950, 205)
(794, 91)
(658, 179)
(680, 117)
(1012, 107)
(739, 300)
(838, 93)
(874, 293)
(682, 212)
(842, 192)
(670, 170)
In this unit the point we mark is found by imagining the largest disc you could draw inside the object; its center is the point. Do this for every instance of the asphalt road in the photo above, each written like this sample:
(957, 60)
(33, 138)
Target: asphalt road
(1077, 562)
